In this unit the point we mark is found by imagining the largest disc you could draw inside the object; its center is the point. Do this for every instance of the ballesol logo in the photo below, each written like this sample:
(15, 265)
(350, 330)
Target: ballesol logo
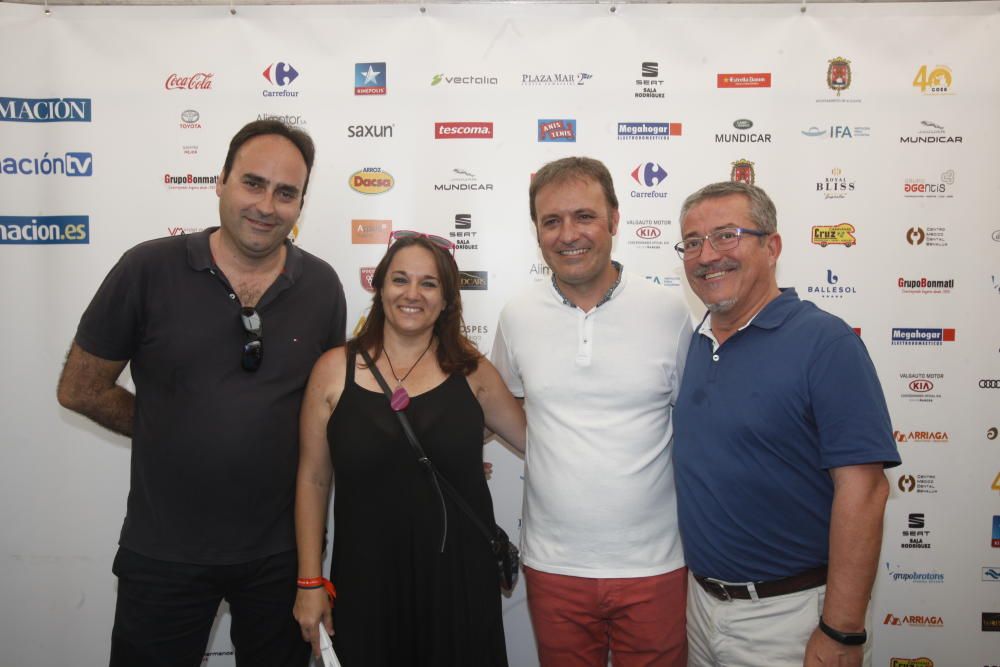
(473, 130)
(370, 231)
(920, 436)
(749, 80)
(366, 273)
(371, 181)
(196, 81)
(911, 662)
(914, 620)
(473, 280)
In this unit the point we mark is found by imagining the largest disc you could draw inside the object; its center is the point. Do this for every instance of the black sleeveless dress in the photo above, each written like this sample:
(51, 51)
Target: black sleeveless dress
(400, 601)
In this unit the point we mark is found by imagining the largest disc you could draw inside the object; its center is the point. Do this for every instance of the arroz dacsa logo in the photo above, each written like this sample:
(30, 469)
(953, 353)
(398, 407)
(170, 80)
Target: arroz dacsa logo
(371, 181)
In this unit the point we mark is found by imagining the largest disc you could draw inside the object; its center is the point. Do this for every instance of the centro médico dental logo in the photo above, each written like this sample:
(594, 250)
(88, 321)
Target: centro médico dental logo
(44, 229)
(69, 164)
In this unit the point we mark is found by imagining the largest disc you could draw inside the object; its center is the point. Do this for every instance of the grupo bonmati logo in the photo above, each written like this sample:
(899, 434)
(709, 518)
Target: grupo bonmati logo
(44, 229)
(67, 164)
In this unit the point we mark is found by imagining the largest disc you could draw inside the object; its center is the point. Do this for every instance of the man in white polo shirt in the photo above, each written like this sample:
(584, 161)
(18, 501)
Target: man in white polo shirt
(596, 354)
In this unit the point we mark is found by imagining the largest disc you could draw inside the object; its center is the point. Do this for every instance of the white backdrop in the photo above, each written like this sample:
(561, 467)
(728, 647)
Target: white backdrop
(858, 156)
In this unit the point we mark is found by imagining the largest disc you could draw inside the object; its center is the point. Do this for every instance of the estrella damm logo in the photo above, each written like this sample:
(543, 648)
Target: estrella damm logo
(371, 181)
(44, 229)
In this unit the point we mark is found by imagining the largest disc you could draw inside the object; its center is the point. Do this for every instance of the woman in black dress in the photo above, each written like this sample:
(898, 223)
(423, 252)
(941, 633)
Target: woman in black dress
(402, 600)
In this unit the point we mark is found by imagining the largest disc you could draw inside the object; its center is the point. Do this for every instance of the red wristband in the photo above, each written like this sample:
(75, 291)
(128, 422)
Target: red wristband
(318, 582)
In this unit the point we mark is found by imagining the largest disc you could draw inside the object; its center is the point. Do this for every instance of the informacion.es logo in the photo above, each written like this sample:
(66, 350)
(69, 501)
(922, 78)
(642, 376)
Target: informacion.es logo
(45, 109)
(44, 229)
(68, 164)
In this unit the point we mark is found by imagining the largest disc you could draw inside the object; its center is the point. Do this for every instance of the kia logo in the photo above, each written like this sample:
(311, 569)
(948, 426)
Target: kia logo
(647, 232)
(921, 386)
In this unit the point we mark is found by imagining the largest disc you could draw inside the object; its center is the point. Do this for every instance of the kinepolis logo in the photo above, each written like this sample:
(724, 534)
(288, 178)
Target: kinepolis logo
(280, 74)
(543, 79)
(462, 180)
(933, 81)
(69, 164)
(189, 120)
(463, 130)
(190, 181)
(919, 483)
(920, 436)
(557, 129)
(647, 88)
(464, 236)
(896, 573)
(44, 229)
(744, 136)
(743, 80)
(914, 620)
(920, 188)
(836, 185)
(839, 131)
(924, 285)
(833, 289)
(921, 387)
(370, 79)
(641, 131)
(931, 133)
(196, 81)
(650, 175)
(370, 131)
(913, 336)
(465, 80)
(45, 109)
(371, 181)
(916, 535)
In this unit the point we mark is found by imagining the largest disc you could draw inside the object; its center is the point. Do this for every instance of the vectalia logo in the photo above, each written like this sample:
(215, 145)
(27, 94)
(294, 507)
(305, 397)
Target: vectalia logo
(71, 164)
(44, 229)
(45, 109)
(473, 130)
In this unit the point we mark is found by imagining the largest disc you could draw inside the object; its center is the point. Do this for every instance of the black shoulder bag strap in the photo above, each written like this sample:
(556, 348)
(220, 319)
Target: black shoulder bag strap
(422, 458)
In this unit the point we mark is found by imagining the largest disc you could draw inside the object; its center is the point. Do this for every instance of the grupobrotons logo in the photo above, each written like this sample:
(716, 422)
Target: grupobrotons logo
(44, 229)
(371, 181)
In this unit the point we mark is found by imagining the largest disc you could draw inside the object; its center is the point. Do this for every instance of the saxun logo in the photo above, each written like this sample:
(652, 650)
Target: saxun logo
(44, 229)
(45, 110)
(70, 164)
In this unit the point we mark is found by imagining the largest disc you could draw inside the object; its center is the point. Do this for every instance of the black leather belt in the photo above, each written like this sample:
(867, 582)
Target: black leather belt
(763, 589)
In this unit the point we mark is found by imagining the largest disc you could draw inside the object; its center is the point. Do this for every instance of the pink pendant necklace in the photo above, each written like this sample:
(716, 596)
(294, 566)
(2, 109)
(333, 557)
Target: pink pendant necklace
(400, 399)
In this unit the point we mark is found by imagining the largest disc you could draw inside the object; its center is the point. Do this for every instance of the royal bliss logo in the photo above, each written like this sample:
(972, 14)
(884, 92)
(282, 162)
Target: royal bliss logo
(836, 185)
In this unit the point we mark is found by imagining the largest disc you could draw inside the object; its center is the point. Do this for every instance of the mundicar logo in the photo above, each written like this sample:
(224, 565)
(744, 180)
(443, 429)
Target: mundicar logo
(44, 229)
(371, 181)
(45, 109)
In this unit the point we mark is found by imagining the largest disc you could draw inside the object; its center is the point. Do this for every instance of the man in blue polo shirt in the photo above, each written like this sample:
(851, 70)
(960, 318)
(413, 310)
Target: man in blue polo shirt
(782, 434)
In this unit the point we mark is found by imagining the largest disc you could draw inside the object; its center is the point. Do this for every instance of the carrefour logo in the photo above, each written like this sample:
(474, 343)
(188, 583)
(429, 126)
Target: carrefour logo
(44, 229)
(280, 74)
(69, 164)
(45, 110)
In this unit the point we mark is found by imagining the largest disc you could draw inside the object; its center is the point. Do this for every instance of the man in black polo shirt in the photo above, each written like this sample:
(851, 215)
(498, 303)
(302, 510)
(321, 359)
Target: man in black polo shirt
(221, 329)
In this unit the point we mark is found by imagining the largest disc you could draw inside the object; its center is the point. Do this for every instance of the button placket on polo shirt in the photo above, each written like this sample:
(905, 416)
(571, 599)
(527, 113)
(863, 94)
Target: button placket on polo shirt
(585, 338)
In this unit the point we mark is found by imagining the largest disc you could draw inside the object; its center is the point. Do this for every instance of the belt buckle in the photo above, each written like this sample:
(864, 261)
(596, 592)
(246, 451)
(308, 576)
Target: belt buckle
(717, 588)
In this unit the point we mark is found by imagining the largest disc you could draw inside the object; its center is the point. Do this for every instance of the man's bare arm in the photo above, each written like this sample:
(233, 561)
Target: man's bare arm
(88, 385)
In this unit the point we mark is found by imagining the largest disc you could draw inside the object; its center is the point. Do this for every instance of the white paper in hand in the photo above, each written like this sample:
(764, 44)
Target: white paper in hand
(326, 649)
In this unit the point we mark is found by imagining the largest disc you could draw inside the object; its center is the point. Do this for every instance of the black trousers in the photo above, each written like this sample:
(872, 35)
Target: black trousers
(165, 611)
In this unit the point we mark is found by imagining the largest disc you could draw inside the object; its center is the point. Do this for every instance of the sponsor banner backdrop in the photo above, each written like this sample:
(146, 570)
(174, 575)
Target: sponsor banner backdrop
(866, 127)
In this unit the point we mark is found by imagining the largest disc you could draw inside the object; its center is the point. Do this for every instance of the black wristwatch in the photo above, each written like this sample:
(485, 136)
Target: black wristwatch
(846, 638)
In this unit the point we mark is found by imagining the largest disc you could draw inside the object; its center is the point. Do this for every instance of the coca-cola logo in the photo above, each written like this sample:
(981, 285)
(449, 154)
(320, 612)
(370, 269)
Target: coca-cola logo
(197, 81)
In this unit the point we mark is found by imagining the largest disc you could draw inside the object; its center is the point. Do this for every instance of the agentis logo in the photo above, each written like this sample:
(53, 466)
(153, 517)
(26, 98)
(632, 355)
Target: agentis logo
(842, 234)
(649, 175)
(743, 136)
(916, 535)
(912, 576)
(912, 336)
(196, 81)
(923, 189)
(371, 181)
(914, 620)
(280, 74)
(45, 109)
(69, 164)
(648, 86)
(371, 231)
(554, 129)
(369, 78)
(648, 131)
(459, 80)
(474, 130)
(917, 483)
(920, 436)
(748, 80)
(544, 79)
(836, 185)
(925, 285)
(935, 80)
(44, 229)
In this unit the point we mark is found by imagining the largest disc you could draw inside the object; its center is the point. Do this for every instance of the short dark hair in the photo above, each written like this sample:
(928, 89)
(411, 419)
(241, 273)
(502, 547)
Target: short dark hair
(260, 128)
(566, 168)
(455, 352)
(762, 210)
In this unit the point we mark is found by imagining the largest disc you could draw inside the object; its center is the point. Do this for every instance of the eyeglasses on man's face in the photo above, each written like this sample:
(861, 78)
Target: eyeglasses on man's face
(722, 240)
